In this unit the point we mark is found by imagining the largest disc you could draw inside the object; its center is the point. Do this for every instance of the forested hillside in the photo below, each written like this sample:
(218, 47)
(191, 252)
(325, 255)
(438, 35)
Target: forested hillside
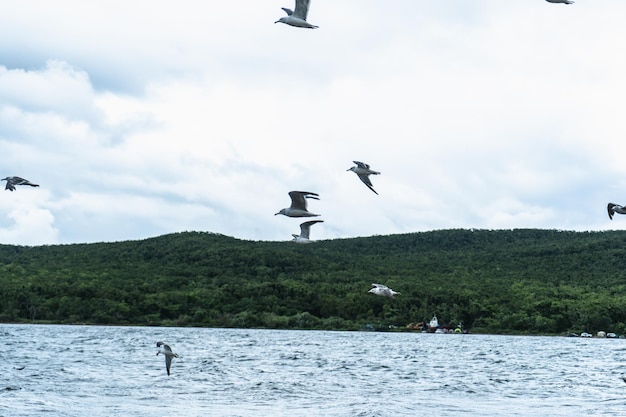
(519, 281)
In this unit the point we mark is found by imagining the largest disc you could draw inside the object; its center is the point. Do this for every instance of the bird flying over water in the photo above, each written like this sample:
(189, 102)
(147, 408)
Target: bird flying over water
(363, 171)
(167, 352)
(297, 17)
(13, 181)
(305, 229)
(298, 204)
(383, 291)
(615, 208)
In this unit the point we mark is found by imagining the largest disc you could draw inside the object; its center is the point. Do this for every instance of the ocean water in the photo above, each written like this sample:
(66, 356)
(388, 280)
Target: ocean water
(114, 371)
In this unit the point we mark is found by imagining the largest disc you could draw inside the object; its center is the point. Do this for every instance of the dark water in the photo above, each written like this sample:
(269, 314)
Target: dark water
(114, 371)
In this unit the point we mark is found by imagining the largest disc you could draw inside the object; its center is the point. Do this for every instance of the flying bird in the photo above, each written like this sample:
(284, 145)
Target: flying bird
(13, 181)
(297, 18)
(167, 352)
(363, 171)
(383, 291)
(298, 204)
(305, 230)
(615, 208)
(560, 1)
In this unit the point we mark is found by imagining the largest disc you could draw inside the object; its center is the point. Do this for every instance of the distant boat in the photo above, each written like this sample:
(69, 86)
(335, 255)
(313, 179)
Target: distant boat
(433, 323)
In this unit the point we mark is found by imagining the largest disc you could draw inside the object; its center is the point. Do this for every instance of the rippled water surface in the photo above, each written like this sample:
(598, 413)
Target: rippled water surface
(114, 371)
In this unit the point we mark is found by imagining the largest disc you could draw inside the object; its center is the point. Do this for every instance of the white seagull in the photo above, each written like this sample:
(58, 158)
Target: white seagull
(560, 1)
(383, 291)
(13, 181)
(167, 352)
(615, 208)
(363, 171)
(298, 204)
(297, 18)
(305, 230)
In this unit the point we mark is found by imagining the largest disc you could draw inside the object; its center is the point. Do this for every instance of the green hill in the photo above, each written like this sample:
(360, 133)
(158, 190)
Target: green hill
(514, 281)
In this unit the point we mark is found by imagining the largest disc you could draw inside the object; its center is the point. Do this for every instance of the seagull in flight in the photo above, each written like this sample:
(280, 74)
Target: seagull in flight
(383, 291)
(363, 171)
(167, 352)
(560, 1)
(615, 208)
(305, 230)
(297, 18)
(298, 204)
(13, 181)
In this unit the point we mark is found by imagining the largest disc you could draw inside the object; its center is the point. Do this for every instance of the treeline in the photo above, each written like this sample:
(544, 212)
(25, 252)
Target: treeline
(512, 281)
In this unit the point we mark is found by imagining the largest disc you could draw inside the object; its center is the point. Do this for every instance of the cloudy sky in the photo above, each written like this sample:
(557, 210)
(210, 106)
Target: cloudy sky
(145, 117)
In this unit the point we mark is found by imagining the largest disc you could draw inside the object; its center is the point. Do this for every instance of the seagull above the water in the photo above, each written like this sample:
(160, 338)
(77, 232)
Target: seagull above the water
(305, 230)
(383, 291)
(13, 181)
(615, 208)
(363, 171)
(560, 1)
(298, 204)
(167, 352)
(297, 18)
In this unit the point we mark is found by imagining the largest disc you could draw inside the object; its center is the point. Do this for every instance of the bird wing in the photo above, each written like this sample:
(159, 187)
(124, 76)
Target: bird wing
(609, 208)
(302, 9)
(381, 286)
(168, 363)
(298, 199)
(366, 180)
(288, 11)
(9, 186)
(305, 228)
(361, 164)
(18, 180)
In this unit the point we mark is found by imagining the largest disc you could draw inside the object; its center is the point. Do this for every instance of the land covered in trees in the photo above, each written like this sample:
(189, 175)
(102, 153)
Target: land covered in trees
(503, 281)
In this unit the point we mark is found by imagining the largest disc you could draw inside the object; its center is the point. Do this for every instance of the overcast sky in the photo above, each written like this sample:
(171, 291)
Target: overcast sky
(141, 118)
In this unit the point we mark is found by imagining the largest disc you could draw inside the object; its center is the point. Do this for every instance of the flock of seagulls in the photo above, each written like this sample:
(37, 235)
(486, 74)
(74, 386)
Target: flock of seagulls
(299, 201)
(298, 207)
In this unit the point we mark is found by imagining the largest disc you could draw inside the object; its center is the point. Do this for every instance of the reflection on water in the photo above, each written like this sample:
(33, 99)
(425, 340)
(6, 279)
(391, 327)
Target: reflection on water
(109, 371)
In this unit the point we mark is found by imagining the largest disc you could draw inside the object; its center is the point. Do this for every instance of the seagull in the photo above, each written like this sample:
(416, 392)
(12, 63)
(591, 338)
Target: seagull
(13, 181)
(167, 351)
(560, 1)
(297, 18)
(383, 291)
(363, 171)
(298, 204)
(615, 208)
(305, 229)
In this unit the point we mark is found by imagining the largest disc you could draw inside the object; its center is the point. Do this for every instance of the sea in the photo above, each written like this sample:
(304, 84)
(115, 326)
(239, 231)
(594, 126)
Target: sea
(63, 370)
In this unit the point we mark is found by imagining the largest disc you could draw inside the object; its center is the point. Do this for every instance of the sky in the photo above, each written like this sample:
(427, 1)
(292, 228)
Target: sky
(144, 118)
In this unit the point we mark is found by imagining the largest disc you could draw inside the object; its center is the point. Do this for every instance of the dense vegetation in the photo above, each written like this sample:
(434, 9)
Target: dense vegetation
(516, 281)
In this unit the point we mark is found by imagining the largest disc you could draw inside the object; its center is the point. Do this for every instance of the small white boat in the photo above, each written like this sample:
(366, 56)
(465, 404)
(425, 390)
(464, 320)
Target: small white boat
(433, 323)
